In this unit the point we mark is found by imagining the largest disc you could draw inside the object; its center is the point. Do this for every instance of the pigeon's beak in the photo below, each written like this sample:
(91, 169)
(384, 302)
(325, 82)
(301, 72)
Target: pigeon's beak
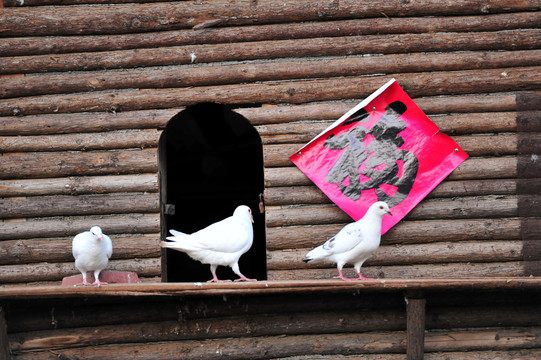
(389, 212)
(251, 217)
(100, 238)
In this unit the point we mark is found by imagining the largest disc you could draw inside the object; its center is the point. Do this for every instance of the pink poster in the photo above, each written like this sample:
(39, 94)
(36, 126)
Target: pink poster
(384, 149)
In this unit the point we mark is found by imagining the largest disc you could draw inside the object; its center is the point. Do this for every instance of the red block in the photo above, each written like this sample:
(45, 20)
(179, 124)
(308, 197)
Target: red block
(109, 276)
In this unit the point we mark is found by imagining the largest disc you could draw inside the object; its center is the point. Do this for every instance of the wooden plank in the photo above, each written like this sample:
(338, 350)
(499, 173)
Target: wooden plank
(253, 72)
(274, 287)
(125, 18)
(436, 83)
(113, 224)
(352, 45)
(416, 314)
(22, 46)
(79, 185)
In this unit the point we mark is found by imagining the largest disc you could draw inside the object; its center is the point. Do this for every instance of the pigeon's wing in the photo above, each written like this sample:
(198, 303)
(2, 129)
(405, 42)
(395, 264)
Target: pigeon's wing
(228, 235)
(346, 239)
(78, 244)
(109, 245)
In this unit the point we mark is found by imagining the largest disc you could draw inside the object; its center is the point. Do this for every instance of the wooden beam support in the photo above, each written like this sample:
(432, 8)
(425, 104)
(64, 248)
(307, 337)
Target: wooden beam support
(416, 314)
(5, 353)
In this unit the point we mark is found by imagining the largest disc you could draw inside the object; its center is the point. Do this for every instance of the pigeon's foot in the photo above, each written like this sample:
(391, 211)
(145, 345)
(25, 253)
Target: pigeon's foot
(341, 276)
(82, 283)
(361, 277)
(99, 283)
(244, 278)
(216, 280)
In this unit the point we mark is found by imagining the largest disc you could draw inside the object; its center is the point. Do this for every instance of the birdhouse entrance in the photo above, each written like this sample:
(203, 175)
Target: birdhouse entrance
(210, 162)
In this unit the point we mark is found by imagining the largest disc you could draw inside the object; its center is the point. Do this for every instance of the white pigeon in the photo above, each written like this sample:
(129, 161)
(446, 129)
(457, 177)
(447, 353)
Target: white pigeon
(92, 250)
(355, 243)
(221, 243)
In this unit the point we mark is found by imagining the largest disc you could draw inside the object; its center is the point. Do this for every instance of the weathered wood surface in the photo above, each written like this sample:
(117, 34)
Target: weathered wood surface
(22, 46)
(352, 45)
(57, 164)
(417, 85)
(115, 224)
(288, 346)
(124, 18)
(416, 314)
(147, 267)
(404, 254)
(143, 183)
(406, 232)
(245, 73)
(27, 251)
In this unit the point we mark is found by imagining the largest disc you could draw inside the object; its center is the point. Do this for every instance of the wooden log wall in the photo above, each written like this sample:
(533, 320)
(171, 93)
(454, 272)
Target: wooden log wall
(87, 86)
(354, 324)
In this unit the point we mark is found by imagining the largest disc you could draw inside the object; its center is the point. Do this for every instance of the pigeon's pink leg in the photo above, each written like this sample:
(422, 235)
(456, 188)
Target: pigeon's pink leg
(244, 278)
(341, 276)
(84, 281)
(214, 277)
(361, 277)
(97, 281)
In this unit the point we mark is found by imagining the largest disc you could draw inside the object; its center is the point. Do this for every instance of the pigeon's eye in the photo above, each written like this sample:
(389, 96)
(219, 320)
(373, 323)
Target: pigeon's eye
(381, 207)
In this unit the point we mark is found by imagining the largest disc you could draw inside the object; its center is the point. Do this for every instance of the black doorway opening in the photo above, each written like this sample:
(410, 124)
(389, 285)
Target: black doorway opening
(210, 161)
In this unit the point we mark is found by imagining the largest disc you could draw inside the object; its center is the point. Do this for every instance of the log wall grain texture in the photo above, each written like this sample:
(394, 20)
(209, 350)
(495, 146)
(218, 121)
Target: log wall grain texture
(88, 86)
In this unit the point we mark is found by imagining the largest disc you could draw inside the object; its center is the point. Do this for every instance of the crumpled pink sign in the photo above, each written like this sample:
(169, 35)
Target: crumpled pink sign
(384, 149)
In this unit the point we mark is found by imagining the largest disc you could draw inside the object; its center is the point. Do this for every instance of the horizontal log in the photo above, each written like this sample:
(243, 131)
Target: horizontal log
(277, 155)
(457, 208)
(125, 139)
(351, 45)
(16, 3)
(18, 252)
(413, 254)
(294, 195)
(405, 232)
(57, 271)
(459, 124)
(147, 183)
(124, 18)
(85, 122)
(473, 168)
(43, 165)
(33, 85)
(432, 271)
(437, 83)
(68, 205)
(494, 340)
(217, 328)
(113, 224)
(68, 44)
(152, 119)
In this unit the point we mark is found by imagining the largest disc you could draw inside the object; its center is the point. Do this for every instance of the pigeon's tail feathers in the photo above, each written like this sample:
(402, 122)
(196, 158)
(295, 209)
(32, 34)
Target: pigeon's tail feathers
(177, 233)
(316, 255)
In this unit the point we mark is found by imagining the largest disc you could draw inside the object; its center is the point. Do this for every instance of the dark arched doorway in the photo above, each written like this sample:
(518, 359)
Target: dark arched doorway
(210, 161)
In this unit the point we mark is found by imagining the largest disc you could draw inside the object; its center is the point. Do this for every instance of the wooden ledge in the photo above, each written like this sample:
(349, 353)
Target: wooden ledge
(268, 287)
